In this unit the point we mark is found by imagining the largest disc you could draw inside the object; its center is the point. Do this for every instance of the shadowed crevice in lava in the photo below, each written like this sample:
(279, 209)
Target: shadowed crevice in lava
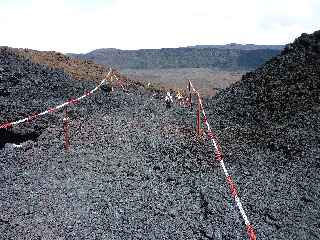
(8, 136)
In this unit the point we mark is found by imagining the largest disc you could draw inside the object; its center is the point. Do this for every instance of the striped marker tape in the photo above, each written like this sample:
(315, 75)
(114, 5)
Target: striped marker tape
(54, 109)
(219, 157)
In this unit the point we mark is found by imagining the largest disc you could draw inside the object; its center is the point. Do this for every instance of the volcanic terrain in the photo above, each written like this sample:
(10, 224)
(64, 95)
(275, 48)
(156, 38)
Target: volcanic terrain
(135, 169)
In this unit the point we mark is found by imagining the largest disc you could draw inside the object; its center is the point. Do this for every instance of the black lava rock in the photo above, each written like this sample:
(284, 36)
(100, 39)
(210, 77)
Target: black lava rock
(269, 127)
(136, 171)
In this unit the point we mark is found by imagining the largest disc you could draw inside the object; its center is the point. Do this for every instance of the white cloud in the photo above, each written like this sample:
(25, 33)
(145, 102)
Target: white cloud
(62, 26)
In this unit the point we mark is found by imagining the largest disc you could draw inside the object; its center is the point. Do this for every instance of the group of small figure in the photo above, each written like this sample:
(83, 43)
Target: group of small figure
(181, 100)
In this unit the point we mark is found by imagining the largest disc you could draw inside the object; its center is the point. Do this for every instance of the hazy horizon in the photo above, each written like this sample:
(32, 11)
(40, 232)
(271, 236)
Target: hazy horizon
(177, 47)
(72, 26)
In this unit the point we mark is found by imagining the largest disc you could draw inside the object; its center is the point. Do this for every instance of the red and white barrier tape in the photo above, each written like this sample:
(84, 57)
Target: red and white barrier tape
(218, 156)
(118, 81)
(211, 135)
(54, 109)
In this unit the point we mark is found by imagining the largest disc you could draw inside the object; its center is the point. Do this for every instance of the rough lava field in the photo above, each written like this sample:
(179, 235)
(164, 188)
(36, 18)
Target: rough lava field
(136, 170)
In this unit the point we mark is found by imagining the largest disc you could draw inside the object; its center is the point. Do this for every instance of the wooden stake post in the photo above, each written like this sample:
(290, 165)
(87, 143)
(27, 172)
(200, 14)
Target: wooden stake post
(190, 95)
(198, 127)
(199, 119)
(66, 131)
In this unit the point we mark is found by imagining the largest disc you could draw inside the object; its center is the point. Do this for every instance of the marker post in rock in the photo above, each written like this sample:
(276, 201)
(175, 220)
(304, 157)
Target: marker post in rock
(190, 95)
(219, 157)
(66, 131)
(198, 119)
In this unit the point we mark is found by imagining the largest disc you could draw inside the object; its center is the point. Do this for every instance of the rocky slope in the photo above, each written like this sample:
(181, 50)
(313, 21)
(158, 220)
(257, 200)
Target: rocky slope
(26, 88)
(136, 171)
(282, 94)
(269, 121)
(214, 58)
(78, 69)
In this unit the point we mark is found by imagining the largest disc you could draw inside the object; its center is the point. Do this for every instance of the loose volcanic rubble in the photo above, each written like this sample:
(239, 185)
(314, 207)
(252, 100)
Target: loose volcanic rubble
(269, 123)
(78, 69)
(135, 170)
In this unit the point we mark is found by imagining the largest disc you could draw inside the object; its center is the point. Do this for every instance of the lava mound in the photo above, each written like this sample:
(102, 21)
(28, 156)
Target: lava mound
(268, 124)
(282, 89)
(283, 95)
(27, 88)
(136, 171)
(78, 69)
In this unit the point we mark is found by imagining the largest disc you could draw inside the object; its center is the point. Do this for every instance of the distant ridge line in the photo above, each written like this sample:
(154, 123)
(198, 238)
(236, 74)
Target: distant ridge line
(241, 46)
(188, 57)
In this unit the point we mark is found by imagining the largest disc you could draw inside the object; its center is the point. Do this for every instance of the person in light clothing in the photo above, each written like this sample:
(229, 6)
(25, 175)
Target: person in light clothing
(180, 98)
(168, 99)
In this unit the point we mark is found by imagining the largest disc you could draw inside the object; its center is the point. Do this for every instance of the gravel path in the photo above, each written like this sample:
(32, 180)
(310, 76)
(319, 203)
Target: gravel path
(141, 174)
(135, 174)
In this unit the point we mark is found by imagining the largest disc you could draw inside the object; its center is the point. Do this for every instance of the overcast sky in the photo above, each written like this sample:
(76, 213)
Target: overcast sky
(80, 26)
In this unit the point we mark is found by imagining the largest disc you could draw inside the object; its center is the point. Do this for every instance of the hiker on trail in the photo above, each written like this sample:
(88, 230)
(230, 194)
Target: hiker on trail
(107, 86)
(168, 100)
(180, 98)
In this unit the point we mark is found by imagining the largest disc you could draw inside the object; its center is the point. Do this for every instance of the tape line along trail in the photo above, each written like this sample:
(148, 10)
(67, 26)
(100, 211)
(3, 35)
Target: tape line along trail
(54, 109)
(219, 157)
(210, 134)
